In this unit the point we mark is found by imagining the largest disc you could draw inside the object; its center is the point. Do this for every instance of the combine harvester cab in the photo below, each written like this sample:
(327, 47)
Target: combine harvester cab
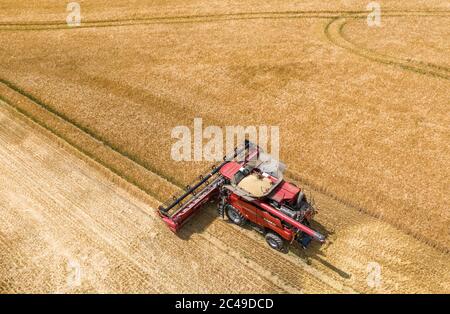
(249, 186)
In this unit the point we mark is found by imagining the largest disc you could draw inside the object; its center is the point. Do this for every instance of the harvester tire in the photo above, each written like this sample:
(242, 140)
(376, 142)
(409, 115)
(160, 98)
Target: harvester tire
(275, 241)
(234, 215)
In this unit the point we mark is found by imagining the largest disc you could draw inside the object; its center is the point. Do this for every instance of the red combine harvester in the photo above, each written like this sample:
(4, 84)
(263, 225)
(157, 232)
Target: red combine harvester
(249, 187)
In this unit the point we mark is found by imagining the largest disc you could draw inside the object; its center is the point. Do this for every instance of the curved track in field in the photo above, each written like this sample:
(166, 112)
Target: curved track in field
(322, 278)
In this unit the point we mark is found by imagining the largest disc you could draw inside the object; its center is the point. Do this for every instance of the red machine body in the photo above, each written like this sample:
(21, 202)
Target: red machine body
(260, 216)
(249, 191)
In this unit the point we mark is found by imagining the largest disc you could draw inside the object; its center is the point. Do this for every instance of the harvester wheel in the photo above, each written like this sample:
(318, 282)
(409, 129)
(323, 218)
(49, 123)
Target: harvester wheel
(275, 241)
(234, 215)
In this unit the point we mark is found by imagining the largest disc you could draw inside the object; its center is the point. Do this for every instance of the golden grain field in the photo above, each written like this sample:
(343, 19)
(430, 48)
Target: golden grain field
(363, 111)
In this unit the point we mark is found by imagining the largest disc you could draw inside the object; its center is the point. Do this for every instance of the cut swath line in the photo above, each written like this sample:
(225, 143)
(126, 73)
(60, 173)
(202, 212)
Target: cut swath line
(277, 281)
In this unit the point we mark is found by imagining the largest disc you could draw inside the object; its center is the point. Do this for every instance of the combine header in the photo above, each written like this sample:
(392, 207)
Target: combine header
(249, 188)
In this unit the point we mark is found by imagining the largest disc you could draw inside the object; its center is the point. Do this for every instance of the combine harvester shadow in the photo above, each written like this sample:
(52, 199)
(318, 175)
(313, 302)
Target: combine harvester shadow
(315, 251)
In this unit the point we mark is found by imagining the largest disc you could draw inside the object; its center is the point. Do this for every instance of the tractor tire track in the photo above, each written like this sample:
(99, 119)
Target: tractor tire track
(107, 230)
(201, 18)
